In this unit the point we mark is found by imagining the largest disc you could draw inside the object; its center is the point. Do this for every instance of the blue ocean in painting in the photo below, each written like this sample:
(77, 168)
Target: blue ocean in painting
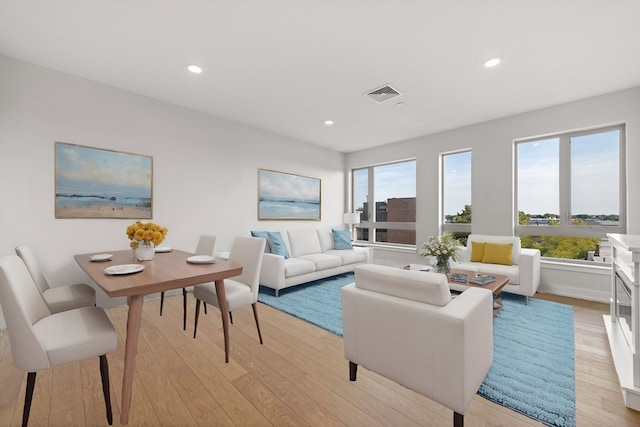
(293, 209)
(76, 200)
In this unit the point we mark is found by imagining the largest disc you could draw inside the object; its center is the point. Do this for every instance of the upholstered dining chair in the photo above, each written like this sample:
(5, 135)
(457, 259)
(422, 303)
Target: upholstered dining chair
(206, 246)
(59, 298)
(41, 340)
(240, 290)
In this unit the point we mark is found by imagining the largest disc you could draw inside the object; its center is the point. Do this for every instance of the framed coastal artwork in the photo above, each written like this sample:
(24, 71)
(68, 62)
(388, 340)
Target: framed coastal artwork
(287, 196)
(98, 183)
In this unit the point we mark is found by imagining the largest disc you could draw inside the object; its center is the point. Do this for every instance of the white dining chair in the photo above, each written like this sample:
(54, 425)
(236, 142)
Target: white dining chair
(206, 246)
(241, 290)
(41, 340)
(58, 298)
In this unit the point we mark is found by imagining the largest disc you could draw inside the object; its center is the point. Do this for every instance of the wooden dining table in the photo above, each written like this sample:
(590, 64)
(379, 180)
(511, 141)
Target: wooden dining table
(169, 270)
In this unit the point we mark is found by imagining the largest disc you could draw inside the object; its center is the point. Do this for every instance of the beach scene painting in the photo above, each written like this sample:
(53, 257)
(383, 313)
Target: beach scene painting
(97, 183)
(287, 196)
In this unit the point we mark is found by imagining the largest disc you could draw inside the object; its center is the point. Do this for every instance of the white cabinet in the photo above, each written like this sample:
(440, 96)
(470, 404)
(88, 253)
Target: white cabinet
(623, 324)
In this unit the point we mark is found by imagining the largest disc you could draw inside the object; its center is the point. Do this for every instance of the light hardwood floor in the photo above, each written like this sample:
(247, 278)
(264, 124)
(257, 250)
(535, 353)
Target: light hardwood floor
(299, 377)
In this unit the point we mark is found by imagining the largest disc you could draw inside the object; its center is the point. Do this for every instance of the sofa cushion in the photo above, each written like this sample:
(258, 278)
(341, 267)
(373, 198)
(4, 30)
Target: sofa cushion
(497, 253)
(304, 242)
(341, 239)
(326, 239)
(323, 261)
(276, 244)
(297, 266)
(511, 271)
(348, 257)
(429, 288)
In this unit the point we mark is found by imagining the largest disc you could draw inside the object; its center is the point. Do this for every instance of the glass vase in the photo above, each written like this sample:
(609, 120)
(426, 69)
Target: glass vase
(442, 266)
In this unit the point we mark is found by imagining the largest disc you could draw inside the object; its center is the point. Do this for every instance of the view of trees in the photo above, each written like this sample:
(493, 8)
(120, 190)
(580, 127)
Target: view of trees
(549, 246)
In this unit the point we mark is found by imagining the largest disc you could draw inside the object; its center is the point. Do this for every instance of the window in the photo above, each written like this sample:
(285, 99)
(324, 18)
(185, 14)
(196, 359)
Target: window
(456, 194)
(386, 197)
(570, 191)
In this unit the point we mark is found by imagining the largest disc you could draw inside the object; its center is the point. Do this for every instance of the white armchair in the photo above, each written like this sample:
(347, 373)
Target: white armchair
(405, 326)
(522, 267)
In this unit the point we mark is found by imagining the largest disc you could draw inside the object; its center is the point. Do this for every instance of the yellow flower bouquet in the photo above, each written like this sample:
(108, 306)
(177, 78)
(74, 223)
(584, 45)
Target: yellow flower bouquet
(146, 233)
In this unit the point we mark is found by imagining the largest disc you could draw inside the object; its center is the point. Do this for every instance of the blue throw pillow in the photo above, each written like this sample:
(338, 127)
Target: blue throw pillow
(341, 239)
(276, 244)
(264, 235)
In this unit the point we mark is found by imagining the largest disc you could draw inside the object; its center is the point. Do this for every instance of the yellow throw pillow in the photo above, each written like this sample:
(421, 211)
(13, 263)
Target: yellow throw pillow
(497, 253)
(477, 251)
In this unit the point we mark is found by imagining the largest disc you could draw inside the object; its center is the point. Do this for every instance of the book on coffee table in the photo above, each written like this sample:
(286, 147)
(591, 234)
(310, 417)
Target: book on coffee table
(482, 279)
(458, 277)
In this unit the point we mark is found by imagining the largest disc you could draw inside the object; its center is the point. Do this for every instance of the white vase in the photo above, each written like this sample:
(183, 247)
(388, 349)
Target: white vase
(145, 252)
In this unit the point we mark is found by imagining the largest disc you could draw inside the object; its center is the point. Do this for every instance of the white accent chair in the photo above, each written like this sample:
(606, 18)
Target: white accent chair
(42, 340)
(59, 298)
(523, 273)
(240, 290)
(404, 325)
(206, 246)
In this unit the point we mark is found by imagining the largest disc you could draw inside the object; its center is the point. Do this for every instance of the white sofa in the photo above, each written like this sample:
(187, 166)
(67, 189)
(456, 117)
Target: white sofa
(523, 271)
(312, 257)
(405, 326)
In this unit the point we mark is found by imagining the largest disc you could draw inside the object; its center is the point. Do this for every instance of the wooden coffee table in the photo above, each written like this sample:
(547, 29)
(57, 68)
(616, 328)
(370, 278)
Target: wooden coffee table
(495, 287)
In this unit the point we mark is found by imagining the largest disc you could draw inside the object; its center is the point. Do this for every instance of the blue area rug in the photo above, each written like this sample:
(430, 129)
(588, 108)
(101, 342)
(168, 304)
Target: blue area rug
(533, 370)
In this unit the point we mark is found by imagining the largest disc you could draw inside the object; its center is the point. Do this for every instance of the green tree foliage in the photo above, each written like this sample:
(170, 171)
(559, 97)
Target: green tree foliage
(561, 247)
(463, 217)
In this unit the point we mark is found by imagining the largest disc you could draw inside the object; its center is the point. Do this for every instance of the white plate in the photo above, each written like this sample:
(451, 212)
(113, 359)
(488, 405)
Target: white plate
(101, 257)
(201, 259)
(163, 249)
(123, 269)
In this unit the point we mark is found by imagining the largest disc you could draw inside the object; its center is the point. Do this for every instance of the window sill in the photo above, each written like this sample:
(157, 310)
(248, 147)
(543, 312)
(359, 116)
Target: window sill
(390, 247)
(592, 268)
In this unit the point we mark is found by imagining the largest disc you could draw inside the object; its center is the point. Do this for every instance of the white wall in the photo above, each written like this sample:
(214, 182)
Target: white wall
(205, 168)
(492, 176)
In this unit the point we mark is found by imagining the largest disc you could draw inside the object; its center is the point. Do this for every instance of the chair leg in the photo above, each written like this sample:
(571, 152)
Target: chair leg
(255, 316)
(161, 302)
(28, 396)
(231, 318)
(205, 307)
(353, 371)
(458, 420)
(195, 322)
(104, 374)
(184, 308)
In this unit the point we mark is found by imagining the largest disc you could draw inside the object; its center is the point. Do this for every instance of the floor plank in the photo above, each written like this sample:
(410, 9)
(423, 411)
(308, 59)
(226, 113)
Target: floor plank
(299, 377)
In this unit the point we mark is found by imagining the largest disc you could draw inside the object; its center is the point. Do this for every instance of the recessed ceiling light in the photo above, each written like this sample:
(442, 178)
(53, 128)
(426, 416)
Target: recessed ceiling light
(492, 62)
(195, 69)
(328, 122)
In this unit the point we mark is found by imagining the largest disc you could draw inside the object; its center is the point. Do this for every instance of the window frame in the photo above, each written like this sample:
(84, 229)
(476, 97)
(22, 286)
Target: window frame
(565, 228)
(374, 225)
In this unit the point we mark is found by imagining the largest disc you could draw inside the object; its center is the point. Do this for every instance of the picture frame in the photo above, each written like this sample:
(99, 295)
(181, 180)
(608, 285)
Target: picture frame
(99, 183)
(286, 196)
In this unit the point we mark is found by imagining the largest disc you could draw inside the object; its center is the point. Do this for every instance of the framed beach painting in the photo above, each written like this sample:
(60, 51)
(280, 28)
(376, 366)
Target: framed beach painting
(287, 196)
(97, 183)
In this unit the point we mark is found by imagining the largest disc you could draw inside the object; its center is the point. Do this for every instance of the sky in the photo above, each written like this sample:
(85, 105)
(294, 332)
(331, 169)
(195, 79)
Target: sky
(594, 171)
(594, 183)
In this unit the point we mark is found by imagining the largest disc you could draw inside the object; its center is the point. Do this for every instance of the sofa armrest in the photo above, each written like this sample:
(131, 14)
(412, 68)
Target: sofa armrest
(529, 264)
(272, 271)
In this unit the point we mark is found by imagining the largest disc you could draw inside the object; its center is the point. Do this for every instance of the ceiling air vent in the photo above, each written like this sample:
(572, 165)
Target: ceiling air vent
(383, 93)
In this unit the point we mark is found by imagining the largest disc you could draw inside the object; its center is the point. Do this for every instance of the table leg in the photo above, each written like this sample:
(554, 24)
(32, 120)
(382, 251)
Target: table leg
(222, 304)
(134, 319)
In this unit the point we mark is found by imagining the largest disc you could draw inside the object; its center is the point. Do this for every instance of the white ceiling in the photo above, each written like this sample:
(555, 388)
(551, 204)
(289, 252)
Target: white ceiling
(286, 66)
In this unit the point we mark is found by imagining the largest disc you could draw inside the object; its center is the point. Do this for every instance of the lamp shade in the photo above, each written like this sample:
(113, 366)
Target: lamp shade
(351, 218)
